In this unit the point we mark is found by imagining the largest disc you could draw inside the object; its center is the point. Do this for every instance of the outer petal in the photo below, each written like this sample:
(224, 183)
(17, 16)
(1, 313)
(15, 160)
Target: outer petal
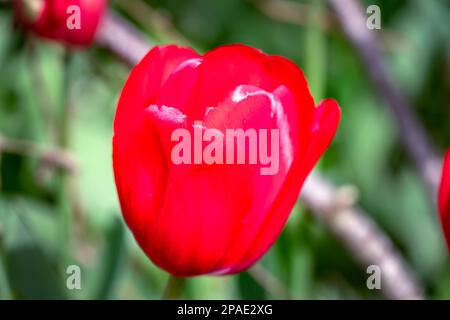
(321, 132)
(146, 80)
(224, 202)
(179, 89)
(228, 67)
(140, 166)
(140, 172)
(444, 198)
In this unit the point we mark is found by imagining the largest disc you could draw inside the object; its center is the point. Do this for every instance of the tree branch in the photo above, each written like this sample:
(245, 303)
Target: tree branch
(351, 16)
(362, 237)
(122, 39)
(292, 12)
(269, 282)
(52, 157)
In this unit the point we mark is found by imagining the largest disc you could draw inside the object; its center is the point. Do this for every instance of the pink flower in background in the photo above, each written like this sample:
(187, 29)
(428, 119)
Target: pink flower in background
(73, 22)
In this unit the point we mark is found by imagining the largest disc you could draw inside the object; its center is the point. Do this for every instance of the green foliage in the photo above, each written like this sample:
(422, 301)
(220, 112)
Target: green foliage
(49, 220)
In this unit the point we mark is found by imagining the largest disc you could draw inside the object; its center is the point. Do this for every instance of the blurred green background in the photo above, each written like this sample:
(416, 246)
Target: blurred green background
(53, 98)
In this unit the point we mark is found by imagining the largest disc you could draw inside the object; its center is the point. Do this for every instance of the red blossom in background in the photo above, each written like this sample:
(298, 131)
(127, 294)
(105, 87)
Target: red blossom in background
(444, 198)
(203, 219)
(49, 18)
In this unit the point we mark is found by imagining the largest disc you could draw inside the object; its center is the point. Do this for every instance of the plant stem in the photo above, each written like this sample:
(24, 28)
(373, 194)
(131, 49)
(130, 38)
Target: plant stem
(175, 288)
(63, 178)
(316, 48)
(5, 290)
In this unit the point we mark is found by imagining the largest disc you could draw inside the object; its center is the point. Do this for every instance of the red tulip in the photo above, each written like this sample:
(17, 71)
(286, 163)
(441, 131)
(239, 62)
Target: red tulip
(201, 218)
(73, 22)
(444, 198)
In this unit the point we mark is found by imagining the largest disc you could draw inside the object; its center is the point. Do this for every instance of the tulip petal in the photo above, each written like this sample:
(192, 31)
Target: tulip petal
(323, 128)
(179, 88)
(226, 201)
(145, 82)
(249, 246)
(228, 67)
(214, 218)
(140, 166)
(444, 198)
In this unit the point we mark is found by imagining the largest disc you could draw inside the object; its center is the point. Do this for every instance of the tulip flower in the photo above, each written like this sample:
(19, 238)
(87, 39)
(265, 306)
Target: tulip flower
(72, 22)
(444, 198)
(254, 133)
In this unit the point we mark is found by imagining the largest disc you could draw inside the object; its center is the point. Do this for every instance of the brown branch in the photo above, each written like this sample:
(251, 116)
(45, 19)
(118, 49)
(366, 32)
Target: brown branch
(363, 238)
(350, 224)
(156, 20)
(269, 282)
(289, 11)
(351, 16)
(52, 157)
(121, 38)
(294, 13)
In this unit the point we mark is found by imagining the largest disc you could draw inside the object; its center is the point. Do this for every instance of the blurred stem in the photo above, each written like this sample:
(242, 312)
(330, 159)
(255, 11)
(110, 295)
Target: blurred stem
(29, 97)
(110, 261)
(54, 158)
(43, 99)
(5, 290)
(175, 288)
(64, 128)
(1, 175)
(63, 142)
(269, 282)
(316, 50)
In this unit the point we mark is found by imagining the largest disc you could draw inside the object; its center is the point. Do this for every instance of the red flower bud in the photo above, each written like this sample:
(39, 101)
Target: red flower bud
(195, 217)
(444, 198)
(73, 22)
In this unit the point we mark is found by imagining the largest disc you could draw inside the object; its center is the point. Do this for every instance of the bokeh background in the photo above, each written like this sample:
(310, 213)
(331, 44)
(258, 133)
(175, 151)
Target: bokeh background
(53, 99)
